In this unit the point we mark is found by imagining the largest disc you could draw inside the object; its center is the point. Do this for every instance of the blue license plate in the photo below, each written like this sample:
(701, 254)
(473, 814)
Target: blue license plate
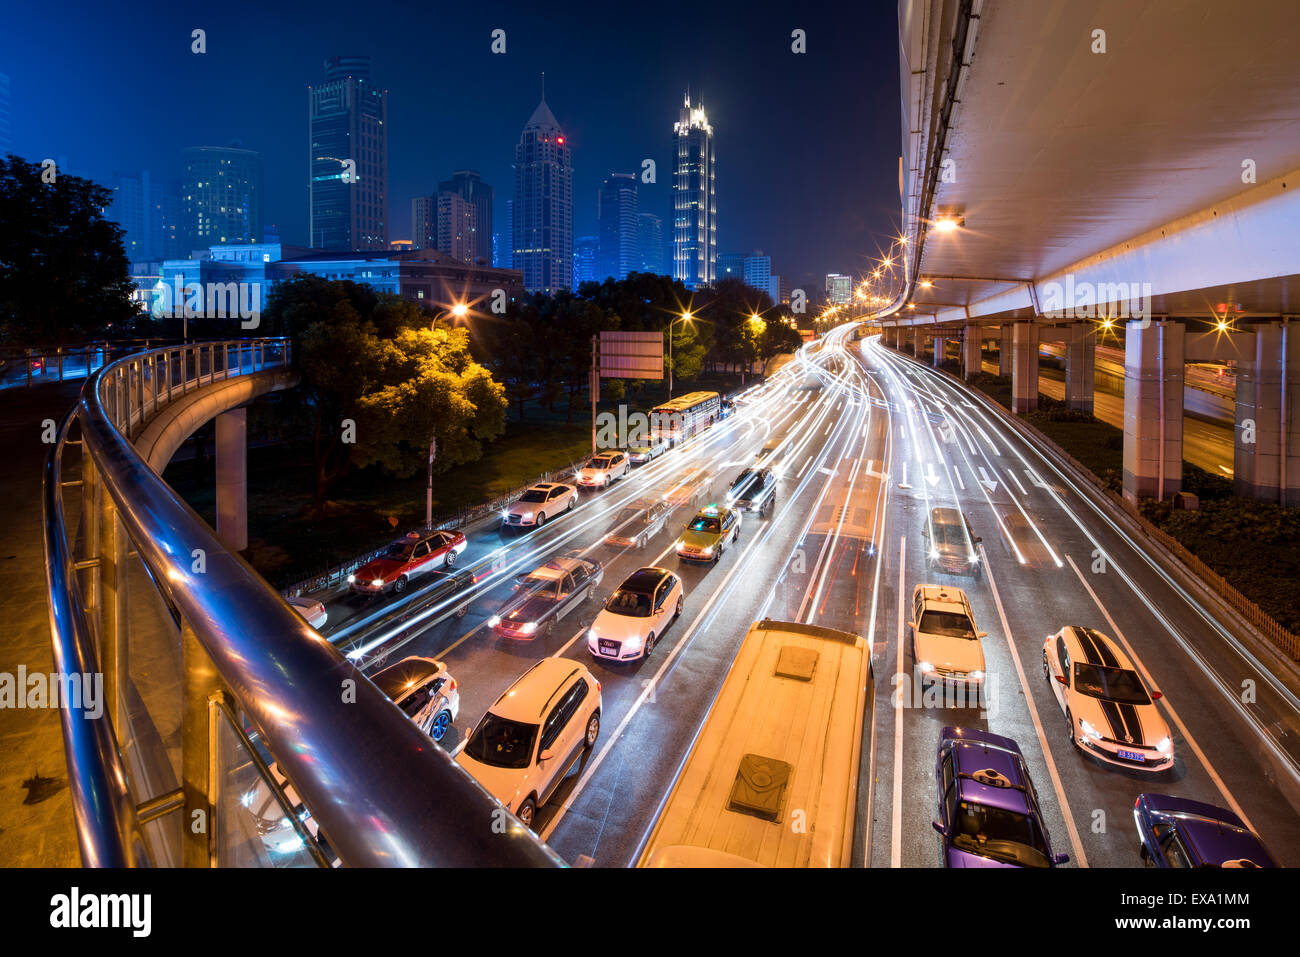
(1131, 755)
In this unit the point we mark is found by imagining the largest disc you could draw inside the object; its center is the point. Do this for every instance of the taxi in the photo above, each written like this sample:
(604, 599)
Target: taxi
(708, 534)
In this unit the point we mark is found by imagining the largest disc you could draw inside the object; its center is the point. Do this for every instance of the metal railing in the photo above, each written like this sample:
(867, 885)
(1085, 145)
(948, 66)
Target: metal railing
(230, 732)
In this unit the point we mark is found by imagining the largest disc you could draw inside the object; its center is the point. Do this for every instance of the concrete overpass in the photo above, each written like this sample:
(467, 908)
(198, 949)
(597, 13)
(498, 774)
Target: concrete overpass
(1074, 168)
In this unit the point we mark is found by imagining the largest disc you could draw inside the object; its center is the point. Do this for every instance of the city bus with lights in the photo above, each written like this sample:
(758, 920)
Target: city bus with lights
(772, 777)
(687, 415)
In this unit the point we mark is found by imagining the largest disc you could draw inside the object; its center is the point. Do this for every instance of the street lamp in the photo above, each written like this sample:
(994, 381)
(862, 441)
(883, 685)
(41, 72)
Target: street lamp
(460, 310)
(684, 317)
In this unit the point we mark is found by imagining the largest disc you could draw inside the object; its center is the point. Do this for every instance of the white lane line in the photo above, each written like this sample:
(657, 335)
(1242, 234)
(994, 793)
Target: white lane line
(1187, 735)
(1066, 812)
(957, 472)
(806, 463)
(1012, 475)
(896, 828)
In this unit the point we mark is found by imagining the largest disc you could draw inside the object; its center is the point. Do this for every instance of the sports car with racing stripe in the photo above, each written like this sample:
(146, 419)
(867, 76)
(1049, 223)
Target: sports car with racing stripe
(1109, 711)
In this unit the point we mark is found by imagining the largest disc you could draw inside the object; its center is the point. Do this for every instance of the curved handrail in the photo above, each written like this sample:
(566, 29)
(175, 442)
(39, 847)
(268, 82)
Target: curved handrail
(380, 790)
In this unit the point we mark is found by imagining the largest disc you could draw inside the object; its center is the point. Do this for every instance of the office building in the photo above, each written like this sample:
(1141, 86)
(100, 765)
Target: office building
(348, 158)
(424, 222)
(758, 270)
(839, 288)
(467, 184)
(616, 211)
(695, 231)
(650, 242)
(457, 224)
(542, 216)
(148, 213)
(220, 196)
(731, 266)
(586, 260)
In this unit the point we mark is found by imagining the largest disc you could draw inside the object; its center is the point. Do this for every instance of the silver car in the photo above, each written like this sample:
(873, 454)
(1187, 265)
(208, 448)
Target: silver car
(424, 690)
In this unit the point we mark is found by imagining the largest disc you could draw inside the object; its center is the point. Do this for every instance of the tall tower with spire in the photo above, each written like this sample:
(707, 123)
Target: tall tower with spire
(695, 228)
(542, 215)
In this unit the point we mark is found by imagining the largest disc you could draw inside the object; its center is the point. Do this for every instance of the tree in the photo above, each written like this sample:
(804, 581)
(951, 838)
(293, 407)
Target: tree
(64, 275)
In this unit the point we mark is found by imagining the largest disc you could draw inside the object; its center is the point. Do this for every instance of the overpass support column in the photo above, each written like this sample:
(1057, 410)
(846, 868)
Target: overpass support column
(1153, 409)
(971, 354)
(1080, 365)
(889, 334)
(1005, 348)
(904, 343)
(1024, 370)
(232, 478)
(1266, 454)
(938, 344)
(918, 342)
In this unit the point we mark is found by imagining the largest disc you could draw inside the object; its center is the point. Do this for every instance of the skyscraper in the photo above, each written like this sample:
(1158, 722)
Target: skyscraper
(616, 210)
(6, 127)
(758, 270)
(457, 220)
(470, 187)
(586, 260)
(220, 196)
(839, 288)
(650, 241)
(731, 266)
(348, 158)
(543, 205)
(147, 212)
(424, 222)
(695, 230)
(508, 254)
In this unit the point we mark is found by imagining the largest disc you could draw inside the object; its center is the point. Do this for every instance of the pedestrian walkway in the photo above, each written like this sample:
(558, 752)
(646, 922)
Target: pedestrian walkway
(36, 821)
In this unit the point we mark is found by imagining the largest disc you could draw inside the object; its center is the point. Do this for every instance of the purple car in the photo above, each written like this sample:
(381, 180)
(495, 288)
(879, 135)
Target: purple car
(1177, 832)
(988, 809)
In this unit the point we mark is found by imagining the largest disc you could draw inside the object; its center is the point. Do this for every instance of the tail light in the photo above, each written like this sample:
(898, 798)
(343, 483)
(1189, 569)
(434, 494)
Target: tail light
(597, 687)
(453, 684)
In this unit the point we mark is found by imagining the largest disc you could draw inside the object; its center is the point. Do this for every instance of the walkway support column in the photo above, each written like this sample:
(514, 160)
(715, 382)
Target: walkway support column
(1024, 371)
(232, 478)
(971, 353)
(1266, 453)
(938, 344)
(918, 342)
(1080, 365)
(1153, 409)
(1005, 349)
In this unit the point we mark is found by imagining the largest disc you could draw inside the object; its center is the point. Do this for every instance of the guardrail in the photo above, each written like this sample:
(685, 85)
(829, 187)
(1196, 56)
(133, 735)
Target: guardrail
(230, 733)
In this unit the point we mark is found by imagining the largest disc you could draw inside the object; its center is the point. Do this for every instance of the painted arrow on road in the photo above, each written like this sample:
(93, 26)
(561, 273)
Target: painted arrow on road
(987, 482)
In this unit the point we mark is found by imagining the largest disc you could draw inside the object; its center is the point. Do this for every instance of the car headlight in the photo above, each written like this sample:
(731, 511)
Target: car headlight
(1165, 746)
(505, 516)
(707, 549)
(591, 634)
(529, 628)
(377, 582)
(494, 621)
(351, 579)
(925, 667)
(934, 553)
(976, 676)
(1089, 730)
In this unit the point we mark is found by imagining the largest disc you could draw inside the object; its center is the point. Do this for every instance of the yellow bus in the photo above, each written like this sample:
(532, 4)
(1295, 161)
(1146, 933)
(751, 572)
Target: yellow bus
(680, 418)
(772, 778)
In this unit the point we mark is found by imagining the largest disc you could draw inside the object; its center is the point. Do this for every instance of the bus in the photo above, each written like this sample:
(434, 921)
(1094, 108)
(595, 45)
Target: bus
(680, 418)
(772, 778)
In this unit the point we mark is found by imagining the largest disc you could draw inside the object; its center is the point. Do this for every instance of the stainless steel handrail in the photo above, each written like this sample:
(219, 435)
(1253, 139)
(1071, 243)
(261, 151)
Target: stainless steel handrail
(379, 789)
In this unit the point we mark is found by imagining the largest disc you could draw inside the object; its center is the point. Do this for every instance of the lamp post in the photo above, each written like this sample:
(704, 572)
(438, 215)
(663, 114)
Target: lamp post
(684, 317)
(459, 311)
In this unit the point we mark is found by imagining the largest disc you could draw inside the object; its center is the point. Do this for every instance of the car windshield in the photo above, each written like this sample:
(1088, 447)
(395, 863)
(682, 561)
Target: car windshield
(535, 583)
(629, 515)
(598, 462)
(746, 479)
(706, 523)
(999, 834)
(534, 495)
(949, 624)
(399, 551)
(946, 534)
(634, 604)
(502, 743)
(1110, 684)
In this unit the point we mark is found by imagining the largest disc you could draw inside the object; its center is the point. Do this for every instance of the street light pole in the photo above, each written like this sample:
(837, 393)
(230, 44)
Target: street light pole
(684, 317)
(459, 310)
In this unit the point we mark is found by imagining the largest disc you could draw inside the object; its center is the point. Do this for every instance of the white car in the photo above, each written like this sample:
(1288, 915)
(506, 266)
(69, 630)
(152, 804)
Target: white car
(635, 616)
(424, 691)
(1108, 709)
(310, 610)
(532, 734)
(945, 642)
(543, 501)
(645, 451)
(603, 469)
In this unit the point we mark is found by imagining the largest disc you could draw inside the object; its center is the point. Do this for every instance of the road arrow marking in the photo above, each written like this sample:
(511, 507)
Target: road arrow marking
(988, 483)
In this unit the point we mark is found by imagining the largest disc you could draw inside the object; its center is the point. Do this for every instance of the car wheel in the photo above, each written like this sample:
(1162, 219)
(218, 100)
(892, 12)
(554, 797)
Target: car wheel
(463, 610)
(399, 586)
(678, 611)
(649, 645)
(572, 499)
(593, 731)
(1069, 724)
(591, 593)
(548, 629)
(640, 542)
(1047, 671)
(526, 812)
(441, 722)
(450, 559)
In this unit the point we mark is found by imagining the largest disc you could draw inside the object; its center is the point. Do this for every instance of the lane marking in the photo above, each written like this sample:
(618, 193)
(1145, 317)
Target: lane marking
(1066, 811)
(896, 828)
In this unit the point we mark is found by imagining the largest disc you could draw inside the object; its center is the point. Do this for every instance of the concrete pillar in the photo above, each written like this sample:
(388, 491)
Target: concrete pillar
(1024, 367)
(971, 354)
(1005, 349)
(1153, 409)
(904, 339)
(938, 343)
(1080, 365)
(232, 478)
(918, 343)
(889, 336)
(1266, 454)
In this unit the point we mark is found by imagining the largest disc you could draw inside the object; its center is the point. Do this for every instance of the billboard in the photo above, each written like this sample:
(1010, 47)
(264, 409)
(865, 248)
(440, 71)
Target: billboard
(631, 355)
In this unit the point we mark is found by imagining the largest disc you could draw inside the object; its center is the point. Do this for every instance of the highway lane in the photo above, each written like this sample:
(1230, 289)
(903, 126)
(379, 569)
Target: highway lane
(1052, 560)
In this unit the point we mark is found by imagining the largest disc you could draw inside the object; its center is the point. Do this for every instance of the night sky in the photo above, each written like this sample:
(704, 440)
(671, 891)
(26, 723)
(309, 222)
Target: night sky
(807, 145)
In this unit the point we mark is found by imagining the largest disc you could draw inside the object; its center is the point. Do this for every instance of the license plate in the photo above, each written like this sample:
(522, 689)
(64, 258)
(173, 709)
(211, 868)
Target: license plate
(1131, 755)
(608, 646)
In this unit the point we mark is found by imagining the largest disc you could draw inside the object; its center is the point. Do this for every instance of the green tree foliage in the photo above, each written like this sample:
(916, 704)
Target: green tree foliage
(64, 275)
(378, 384)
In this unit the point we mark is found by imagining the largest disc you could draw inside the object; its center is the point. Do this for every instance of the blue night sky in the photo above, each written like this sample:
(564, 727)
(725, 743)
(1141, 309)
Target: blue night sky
(807, 145)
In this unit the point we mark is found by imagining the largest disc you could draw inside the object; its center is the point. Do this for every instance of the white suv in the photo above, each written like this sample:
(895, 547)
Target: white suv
(945, 642)
(544, 500)
(603, 469)
(532, 734)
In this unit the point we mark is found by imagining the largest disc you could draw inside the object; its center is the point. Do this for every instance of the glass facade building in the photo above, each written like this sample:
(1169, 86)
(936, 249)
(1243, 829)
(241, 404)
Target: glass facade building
(616, 210)
(586, 260)
(695, 229)
(467, 184)
(650, 242)
(220, 196)
(542, 215)
(348, 158)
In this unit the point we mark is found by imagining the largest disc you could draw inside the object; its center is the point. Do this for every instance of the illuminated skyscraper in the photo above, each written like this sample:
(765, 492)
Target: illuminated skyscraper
(617, 213)
(695, 229)
(348, 158)
(478, 194)
(650, 242)
(220, 196)
(542, 215)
